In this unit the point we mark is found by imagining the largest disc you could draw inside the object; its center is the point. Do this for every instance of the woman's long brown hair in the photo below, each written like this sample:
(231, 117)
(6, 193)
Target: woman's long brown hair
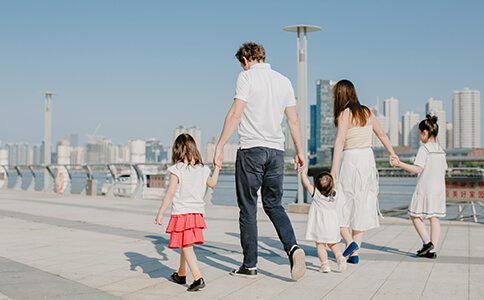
(185, 150)
(344, 94)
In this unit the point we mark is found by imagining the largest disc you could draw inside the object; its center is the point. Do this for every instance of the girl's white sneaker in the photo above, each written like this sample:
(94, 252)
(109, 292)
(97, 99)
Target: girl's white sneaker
(325, 268)
(341, 263)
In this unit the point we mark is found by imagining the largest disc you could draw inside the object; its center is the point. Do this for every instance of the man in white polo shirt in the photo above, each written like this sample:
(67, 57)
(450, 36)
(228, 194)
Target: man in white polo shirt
(262, 98)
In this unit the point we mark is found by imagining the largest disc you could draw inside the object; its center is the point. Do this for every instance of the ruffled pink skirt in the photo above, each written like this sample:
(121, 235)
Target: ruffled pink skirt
(185, 230)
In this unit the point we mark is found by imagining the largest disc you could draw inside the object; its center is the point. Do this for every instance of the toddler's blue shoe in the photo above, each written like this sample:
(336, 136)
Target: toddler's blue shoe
(353, 260)
(350, 249)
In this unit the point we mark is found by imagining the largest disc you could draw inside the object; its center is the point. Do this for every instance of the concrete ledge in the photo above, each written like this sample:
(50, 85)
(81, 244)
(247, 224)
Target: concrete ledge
(302, 208)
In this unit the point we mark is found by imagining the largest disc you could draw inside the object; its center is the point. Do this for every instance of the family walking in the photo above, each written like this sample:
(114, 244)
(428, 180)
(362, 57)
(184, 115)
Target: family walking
(345, 202)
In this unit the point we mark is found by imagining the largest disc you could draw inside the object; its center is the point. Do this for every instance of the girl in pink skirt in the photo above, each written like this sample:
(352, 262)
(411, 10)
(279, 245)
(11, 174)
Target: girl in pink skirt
(189, 179)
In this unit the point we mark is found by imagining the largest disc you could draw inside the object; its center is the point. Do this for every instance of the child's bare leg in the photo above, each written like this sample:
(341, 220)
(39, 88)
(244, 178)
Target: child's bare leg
(336, 250)
(358, 238)
(182, 271)
(421, 229)
(339, 256)
(191, 259)
(322, 254)
(434, 231)
(345, 233)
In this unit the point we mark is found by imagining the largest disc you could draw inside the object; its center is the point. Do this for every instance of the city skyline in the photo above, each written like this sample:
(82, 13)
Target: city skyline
(121, 65)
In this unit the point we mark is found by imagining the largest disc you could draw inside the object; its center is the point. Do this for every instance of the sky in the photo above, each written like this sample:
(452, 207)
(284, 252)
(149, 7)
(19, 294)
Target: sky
(143, 68)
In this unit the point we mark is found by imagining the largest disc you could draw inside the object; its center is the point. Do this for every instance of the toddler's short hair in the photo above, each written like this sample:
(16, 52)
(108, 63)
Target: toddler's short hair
(252, 51)
(324, 183)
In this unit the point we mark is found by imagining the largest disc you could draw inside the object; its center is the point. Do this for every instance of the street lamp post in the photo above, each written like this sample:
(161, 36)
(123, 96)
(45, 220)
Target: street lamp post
(302, 91)
(48, 187)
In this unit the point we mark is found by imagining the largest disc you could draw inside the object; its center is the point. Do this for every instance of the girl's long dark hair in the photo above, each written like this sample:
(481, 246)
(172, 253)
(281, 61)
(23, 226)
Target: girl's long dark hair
(344, 94)
(185, 149)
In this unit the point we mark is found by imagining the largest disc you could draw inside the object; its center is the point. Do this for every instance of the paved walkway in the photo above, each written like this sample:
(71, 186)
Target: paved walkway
(78, 247)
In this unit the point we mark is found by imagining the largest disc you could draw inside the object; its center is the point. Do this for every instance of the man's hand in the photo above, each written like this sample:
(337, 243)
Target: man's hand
(299, 161)
(218, 157)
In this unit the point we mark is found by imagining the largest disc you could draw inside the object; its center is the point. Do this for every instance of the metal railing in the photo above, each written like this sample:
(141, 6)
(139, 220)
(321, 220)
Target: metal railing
(135, 181)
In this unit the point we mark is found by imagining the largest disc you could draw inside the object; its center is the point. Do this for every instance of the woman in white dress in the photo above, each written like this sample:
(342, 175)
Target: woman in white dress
(354, 167)
(428, 201)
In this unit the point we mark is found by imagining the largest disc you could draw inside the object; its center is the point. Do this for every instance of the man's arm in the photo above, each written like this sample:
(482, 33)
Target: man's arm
(293, 122)
(232, 120)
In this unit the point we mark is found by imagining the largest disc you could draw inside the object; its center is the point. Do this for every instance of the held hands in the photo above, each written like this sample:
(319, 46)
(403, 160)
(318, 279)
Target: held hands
(299, 161)
(394, 160)
(218, 158)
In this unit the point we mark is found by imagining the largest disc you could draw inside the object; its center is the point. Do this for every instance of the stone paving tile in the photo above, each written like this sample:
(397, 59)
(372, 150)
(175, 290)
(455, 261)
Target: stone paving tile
(112, 245)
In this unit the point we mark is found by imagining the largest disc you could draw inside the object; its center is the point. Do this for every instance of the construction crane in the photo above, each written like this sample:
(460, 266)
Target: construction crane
(92, 136)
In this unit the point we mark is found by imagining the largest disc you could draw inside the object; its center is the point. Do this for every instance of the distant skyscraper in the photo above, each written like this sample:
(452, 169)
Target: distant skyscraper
(37, 156)
(436, 108)
(325, 131)
(72, 138)
(312, 147)
(466, 118)
(449, 133)
(390, 108)
(229, 151)
(385, 126)
(194, 131)
(18, 153)
(410, 133)
(155, 152)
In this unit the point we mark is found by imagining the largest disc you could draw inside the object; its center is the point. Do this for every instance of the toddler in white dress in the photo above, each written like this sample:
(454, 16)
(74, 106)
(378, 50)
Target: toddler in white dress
(428, 200)
(323, 225)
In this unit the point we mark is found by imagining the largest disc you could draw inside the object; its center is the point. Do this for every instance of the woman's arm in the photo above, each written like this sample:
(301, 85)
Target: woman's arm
(170, 193)
(212, 180)
(381, 135)
(343, 124)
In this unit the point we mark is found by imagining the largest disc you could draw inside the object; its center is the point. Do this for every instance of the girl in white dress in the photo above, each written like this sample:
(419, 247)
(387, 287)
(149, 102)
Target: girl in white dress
(354, 167)
(428, 200)
(323, 225)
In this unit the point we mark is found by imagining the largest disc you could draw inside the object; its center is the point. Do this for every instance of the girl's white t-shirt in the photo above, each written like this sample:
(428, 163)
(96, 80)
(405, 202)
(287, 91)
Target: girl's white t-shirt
(192, 184)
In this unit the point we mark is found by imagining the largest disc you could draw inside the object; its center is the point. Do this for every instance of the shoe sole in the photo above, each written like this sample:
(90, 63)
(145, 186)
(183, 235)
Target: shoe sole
(299, 264)
(197, 288)
(243, 275)
(422, 254)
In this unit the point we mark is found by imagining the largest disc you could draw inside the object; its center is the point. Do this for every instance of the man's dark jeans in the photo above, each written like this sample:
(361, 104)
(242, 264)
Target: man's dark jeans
(261, 167)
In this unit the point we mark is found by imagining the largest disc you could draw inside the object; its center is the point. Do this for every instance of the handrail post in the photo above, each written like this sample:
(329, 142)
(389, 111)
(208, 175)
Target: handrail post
(138, 191)
(18, 182)
(110, 191)
(31, 186)
(88, 170)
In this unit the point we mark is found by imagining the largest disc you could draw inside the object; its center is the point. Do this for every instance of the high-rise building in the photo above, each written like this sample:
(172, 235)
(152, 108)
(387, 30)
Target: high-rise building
(94, 153)
(449, 133)
(18, 153)
(37, 157)
(229, 152)
(194, 131)
(410, 133)
(466, 118)
(384, 124)
(155, 152)
(72, 138)
(390, 108)
(325, 131)
(436, 108)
